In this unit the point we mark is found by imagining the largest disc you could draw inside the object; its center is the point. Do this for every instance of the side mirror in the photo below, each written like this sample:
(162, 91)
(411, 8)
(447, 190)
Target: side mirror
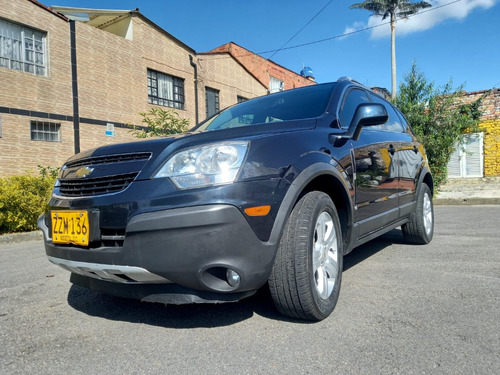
(367, 114)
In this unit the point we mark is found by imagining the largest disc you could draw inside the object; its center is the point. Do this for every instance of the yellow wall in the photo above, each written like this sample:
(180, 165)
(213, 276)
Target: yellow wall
(490, 123)
(491, 147)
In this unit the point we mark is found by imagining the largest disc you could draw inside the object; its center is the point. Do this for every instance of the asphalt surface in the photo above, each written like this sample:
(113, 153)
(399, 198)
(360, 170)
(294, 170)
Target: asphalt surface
(403, 309)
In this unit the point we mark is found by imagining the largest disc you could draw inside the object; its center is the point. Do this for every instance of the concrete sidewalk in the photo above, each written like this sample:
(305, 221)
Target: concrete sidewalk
(21, 237)
(469, 191)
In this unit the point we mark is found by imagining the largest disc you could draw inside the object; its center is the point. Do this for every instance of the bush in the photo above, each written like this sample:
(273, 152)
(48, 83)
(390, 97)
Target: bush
(23, 198)
(160, 122)
(438, 118)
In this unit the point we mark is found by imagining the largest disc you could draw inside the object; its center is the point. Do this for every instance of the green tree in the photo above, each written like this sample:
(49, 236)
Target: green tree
(160, 122)
(394, 9)
(438, 117)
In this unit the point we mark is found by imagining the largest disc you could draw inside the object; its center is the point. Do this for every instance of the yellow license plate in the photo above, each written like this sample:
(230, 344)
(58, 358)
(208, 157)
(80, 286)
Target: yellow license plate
(70, 227)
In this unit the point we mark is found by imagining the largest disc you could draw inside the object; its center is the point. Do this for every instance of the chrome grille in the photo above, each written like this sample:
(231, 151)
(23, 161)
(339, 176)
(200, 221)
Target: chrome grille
(95, 186)
(108, 159)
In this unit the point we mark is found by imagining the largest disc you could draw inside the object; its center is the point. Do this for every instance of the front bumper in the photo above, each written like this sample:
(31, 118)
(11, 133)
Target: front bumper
(189, 247)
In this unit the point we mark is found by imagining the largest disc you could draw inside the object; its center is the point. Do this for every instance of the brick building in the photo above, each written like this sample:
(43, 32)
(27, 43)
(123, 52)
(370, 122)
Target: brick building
(35, 92)
(72, 79)
(267, 72)
(481, 154)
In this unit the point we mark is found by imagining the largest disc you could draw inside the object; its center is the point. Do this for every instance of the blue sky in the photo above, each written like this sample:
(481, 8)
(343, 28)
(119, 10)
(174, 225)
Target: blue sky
(458, 41)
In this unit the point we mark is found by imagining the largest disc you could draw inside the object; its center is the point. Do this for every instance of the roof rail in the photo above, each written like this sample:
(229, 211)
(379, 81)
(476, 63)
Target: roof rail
(345, 78)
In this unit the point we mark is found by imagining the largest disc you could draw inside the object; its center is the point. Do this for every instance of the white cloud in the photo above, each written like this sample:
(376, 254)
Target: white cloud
(459, 11)
(354, 28)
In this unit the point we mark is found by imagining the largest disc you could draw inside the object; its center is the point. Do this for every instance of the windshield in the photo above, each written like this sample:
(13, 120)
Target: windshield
(298, 104)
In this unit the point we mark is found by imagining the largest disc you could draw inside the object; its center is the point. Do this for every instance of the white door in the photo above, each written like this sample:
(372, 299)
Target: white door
(467, 159)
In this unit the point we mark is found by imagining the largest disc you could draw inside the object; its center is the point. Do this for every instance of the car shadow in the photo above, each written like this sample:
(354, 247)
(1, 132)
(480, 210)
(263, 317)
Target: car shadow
(204, 315)
(104, 306)
(365, 251)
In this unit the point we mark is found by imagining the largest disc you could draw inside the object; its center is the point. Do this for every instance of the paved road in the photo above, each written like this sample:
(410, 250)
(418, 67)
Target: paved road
(403, 309)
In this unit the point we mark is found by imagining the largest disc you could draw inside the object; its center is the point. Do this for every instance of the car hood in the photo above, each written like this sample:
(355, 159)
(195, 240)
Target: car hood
(143, 158)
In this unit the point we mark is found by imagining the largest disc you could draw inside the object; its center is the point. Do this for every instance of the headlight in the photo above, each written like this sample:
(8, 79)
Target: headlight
(214, 164)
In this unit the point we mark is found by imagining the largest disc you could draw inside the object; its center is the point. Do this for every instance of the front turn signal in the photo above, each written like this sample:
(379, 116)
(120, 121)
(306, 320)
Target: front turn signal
(258, 211)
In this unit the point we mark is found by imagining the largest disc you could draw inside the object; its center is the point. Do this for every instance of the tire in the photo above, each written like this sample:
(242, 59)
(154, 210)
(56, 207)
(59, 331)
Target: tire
(420, 229)
(307, 271)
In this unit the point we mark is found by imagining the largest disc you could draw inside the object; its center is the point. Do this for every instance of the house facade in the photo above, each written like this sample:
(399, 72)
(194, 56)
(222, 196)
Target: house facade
(480, 155)
(74, 79)
(35, 91)
(267, 72)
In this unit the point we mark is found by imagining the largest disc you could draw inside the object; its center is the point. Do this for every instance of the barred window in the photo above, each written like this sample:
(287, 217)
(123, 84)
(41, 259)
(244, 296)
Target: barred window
(241, 99)
(211, 101)
(45, 131)
(22, 48)
(165, 90)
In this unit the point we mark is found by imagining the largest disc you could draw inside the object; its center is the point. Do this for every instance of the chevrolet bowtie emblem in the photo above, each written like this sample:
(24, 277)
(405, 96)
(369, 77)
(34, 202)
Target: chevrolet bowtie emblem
(84, 172)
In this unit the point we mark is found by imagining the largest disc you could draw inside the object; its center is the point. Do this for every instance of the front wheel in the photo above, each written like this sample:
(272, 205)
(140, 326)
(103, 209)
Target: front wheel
(420, 229)
(307, 272)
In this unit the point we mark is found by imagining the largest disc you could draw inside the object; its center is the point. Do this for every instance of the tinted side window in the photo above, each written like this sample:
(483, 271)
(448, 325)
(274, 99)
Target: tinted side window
(394, 122)
(403, 120)
(351, 102)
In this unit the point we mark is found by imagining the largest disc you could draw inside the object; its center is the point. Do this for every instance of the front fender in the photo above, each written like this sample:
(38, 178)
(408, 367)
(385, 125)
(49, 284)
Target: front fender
(300, 183)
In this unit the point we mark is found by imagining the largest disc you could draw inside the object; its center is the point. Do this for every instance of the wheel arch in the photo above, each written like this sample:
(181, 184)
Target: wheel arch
(426, 178)
(322, 177)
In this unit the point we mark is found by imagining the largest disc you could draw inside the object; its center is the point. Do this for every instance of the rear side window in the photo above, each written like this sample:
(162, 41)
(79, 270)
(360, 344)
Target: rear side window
(351, 102)
(403, 120)
(393, 124)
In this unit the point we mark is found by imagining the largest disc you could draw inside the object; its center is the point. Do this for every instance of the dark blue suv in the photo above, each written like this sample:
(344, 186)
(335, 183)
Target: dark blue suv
(273, 190)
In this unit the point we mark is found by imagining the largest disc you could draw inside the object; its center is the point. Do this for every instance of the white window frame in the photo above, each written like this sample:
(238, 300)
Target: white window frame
(45, 131)
(23, 48)
(276, 85)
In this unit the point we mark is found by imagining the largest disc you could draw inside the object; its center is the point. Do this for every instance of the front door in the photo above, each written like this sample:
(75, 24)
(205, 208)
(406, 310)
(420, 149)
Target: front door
(376, 168)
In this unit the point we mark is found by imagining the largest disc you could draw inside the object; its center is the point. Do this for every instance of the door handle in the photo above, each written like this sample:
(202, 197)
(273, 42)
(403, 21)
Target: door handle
(391, 149)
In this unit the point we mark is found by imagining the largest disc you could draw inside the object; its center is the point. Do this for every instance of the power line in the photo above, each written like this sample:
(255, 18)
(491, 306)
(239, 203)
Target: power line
(358, 31)
(303, 27)
(336, 36)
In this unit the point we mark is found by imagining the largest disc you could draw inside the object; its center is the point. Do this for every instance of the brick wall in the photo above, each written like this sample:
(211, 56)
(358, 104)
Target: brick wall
(33, 93)
(262, 68)
(112, 77)
(221, 72)
(490, 123)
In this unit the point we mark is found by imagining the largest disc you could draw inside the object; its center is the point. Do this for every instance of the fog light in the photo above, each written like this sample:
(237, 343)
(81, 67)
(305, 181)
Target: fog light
(233, 278)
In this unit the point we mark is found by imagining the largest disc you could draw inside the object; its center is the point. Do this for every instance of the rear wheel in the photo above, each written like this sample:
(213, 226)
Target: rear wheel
(420, 228)
(307, 272)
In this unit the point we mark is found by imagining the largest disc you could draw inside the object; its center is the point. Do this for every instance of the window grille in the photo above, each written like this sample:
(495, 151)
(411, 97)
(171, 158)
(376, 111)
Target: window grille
(241, 99)
(165, 90)
(45, 131)
(211, 101)
(22, 48)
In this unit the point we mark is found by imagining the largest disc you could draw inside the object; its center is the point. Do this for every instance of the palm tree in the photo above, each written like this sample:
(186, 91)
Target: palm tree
(394, 9)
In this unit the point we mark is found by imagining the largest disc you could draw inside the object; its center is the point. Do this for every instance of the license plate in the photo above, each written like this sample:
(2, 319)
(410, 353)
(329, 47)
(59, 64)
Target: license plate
(70, 227)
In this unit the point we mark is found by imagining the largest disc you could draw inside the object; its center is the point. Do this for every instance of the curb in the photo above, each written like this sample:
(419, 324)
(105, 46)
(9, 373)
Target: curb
(473, 201)
(20, 237)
